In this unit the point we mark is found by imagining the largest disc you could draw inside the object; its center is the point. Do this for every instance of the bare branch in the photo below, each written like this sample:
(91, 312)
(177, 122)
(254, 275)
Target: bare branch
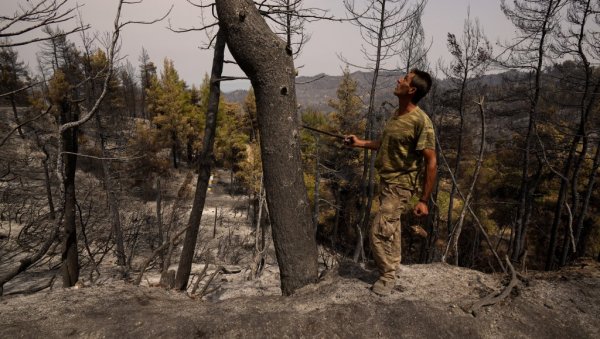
(39, 14)
(317, 78)
(193, 29)
(145, 22)
(27, 262)
(161, 248)
(102, 158)
(495, 297)
(20, 89)
(227, 78)
(23, 124)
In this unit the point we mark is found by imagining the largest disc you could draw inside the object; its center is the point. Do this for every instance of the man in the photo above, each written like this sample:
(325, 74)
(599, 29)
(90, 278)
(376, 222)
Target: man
(408, 139)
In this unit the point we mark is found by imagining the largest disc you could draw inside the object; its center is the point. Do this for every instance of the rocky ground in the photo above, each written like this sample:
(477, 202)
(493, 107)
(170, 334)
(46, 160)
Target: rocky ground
(435, 300)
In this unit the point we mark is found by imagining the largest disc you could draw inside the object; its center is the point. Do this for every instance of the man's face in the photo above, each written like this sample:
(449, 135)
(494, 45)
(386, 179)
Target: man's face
(403, 86)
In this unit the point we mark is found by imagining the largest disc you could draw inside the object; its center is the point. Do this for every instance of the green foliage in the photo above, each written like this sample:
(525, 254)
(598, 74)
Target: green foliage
(347, 117)
(58, 88)
(98, 67)
(338, 165)
(174, 114)
(443, 201)
(196, 116)
(231, 138)
(250, 167)
(308, 139)
(144, 144)
(309, 182)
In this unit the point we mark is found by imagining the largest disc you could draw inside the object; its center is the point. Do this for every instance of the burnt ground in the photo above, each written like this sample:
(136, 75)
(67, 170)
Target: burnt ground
(428, 301)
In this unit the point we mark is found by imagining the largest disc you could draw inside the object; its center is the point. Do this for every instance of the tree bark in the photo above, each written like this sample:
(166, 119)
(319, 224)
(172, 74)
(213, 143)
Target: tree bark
(585, 109)
(369, 155)
(70, 257)
(580, 243)
(269, 65)
(47, 179)
(115, 217)
(526, 188)
(204, 167)
(112, 199)
(67, 131)
(317, 196)
(13, 104)
(159, 219)
(459, 148)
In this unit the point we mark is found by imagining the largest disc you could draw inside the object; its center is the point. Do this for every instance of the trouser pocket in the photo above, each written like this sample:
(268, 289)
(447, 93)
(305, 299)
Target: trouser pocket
(392, 203)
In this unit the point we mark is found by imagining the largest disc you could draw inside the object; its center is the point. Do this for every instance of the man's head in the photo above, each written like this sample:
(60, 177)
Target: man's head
(415, 84)
(422, 82)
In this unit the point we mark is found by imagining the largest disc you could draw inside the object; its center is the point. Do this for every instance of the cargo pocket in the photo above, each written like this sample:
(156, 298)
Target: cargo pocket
(387, 222)
(386, 226)
(393, 202)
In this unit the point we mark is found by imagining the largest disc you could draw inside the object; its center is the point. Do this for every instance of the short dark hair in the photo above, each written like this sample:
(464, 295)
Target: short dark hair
(422, 82)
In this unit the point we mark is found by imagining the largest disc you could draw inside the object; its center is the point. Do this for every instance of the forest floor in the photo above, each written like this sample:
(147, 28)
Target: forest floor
(434, 300)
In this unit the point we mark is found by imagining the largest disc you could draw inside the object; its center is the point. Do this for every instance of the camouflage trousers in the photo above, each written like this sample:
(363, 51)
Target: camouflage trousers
(385, 232)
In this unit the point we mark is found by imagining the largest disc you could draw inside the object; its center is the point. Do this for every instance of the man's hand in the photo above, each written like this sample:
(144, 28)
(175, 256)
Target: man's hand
(354, 141)
(421, 209)
(350, 140)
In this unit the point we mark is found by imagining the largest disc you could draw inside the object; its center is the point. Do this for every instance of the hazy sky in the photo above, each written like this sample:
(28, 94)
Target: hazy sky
(320, 55)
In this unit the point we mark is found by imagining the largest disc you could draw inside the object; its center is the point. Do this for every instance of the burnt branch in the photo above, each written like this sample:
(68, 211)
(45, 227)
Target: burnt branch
(37, 15)
(495, 297)
(23, 124)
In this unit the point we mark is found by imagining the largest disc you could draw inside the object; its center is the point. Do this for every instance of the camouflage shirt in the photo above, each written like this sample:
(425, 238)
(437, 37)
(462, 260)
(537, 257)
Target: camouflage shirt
(399, 160)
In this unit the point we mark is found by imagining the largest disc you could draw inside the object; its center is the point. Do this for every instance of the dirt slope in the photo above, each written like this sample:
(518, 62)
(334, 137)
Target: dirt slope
(428, 302)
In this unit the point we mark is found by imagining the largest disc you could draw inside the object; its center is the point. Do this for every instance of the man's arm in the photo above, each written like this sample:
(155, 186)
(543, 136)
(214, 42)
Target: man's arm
(354, 141)
(421, 208)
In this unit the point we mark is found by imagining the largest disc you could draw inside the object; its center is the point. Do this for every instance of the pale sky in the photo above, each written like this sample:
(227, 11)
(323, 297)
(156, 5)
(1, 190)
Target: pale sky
(320, 55)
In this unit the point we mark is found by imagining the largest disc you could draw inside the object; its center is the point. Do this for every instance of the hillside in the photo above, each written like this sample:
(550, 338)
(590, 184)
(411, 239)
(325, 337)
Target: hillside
(428, 301)
(433, 300)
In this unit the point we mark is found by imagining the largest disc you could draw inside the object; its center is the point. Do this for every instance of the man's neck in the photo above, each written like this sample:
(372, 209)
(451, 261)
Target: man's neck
(405, 105)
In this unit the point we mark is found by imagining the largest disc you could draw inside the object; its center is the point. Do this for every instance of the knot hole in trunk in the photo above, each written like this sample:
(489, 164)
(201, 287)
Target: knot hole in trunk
(283, 90)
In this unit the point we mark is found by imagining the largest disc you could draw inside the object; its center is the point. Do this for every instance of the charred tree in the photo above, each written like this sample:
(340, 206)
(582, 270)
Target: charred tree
(575, 41)
(204, 167)
(470, 59)
(93, 88)
(536, 22)
(70, 257)
(268, 62)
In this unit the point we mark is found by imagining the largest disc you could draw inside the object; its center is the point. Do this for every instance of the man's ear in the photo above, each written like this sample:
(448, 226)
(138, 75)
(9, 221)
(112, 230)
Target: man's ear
(412, 90)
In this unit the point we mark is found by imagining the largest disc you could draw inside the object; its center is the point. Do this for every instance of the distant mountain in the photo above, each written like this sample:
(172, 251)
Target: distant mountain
(237, 96)
(314, 92)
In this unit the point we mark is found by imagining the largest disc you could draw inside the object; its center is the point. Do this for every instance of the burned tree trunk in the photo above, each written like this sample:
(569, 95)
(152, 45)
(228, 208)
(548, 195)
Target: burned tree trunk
(269, 65)
(204, 167)
(70, 257)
